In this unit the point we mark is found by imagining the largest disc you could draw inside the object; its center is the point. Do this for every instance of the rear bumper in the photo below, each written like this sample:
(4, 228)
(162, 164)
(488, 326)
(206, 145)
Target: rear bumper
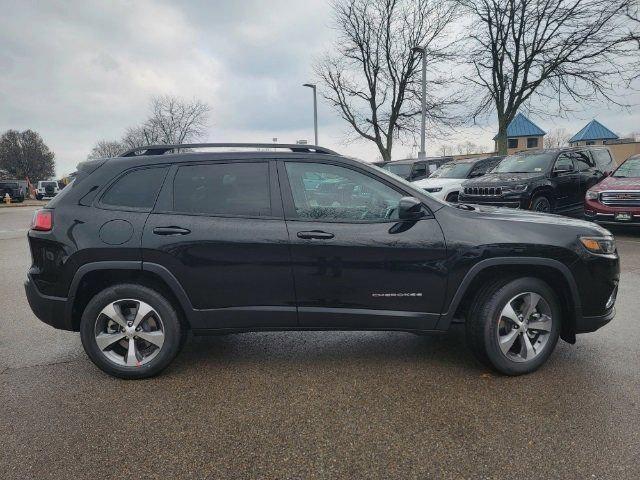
(591, 324)
(48, 309)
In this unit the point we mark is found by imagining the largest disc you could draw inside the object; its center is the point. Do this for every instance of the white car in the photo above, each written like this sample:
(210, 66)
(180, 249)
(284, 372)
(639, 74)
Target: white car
(445, 183)
(46, 189)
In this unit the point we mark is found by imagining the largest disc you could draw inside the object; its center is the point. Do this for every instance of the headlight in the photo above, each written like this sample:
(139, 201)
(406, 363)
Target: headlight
(516, 188)
(433, 189)
(599, 245)
(591, 195)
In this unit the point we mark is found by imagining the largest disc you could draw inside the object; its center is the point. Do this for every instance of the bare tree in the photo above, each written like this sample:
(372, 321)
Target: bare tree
(106, 149)
(446, 150)
(24, 155)
(468, 148)
(544, 51)
(371, 74)
(556, 138)
(172, 121)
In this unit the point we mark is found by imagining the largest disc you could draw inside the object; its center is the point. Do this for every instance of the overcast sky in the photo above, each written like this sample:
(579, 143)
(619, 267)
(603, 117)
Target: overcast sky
(80, 71)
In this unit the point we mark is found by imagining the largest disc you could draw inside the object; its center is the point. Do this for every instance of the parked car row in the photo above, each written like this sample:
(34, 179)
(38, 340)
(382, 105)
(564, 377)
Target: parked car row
(561, 180)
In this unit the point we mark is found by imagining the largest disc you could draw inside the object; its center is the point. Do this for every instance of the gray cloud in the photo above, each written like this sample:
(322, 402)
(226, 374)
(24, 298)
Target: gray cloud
(78, 71)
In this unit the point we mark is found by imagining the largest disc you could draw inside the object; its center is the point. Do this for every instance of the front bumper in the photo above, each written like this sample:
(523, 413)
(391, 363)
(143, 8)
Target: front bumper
(591, 324)
(50, 310)
(508, 202)
(610, 218)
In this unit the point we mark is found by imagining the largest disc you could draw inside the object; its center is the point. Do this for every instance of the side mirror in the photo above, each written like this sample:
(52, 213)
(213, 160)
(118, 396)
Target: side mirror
(476, 174)
(410, 208)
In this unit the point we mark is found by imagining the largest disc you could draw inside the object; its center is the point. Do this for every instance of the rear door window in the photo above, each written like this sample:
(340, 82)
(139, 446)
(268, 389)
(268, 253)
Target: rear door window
(136, 189)
(583, 161)
(234, 189)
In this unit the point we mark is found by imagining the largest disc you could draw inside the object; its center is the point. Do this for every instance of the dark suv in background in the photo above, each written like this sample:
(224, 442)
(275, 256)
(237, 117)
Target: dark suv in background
(553, 180)
(13, 189)
(141, 248)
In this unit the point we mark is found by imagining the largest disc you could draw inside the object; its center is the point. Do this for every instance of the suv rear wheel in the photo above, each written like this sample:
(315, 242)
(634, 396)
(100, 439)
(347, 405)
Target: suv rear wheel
(514, 325)
(131, 331)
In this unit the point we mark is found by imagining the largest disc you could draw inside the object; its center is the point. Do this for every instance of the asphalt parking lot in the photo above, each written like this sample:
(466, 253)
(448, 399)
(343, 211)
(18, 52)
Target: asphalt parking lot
(316, 405)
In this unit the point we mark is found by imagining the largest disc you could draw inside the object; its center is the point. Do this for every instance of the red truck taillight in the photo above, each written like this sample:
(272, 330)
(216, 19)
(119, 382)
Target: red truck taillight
(42, 220)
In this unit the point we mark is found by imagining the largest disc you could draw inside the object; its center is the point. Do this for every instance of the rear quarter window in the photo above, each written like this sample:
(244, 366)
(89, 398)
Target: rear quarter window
(136, 189)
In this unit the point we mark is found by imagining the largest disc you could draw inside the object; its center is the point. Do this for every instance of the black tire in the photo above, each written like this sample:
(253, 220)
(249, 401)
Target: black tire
(174, 331)
(484, 315)
(38, 197)
(541, 203)
(453, 197)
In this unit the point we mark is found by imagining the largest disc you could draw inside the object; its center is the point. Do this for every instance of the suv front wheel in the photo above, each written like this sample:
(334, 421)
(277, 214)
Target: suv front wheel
(514, 325)
(131, 331)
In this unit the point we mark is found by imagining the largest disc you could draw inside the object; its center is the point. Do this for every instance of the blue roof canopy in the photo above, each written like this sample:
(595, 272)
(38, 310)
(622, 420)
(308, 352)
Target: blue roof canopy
(594, 130)
(521, 126)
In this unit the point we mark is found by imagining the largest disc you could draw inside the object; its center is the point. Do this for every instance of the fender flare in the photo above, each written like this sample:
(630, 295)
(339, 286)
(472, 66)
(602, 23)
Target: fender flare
(170, 280)
(92, 267)
(447, 317)
(543, 189)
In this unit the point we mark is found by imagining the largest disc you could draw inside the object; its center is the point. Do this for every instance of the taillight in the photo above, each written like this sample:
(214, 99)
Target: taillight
(42, 220)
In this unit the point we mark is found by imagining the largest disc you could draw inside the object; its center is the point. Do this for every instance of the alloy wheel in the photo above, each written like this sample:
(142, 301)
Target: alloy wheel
(543, 205)
(524, 327)
(129, 332)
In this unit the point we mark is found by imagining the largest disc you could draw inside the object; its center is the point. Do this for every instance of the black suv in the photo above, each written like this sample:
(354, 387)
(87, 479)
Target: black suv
(141, 248)
(414, 169)
(15, 191)
(553, 180)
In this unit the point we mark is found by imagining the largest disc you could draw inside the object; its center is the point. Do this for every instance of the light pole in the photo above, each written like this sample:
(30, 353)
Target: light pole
(422, 153)
(315, 109)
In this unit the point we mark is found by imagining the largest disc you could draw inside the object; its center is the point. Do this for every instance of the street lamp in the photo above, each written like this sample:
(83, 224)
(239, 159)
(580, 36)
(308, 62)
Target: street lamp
(422, 51)
(315, 109)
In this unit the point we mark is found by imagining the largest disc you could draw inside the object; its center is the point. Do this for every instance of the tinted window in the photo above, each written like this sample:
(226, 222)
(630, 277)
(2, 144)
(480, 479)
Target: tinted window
(402, 170)
(583, 161)
(136, 189)
(564, 163)
(223, 189)
(532, 142)
(420, 171)
(330, 192)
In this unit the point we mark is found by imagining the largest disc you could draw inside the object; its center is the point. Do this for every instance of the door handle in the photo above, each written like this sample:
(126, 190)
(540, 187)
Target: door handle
(316, 235)
(171, 231)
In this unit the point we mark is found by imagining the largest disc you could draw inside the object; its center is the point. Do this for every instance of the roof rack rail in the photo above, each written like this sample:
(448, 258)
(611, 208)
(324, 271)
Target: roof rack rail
(162, 149)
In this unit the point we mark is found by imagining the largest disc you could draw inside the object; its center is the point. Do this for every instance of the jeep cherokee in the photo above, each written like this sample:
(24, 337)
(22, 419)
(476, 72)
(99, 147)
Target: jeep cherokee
(553, 180)
(141, 248)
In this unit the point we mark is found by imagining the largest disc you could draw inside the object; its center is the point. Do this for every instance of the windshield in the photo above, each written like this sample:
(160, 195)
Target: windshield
(629, 169)
(402, 170)
(49, 184)
(453, 170)
(525, 163)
